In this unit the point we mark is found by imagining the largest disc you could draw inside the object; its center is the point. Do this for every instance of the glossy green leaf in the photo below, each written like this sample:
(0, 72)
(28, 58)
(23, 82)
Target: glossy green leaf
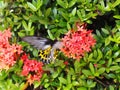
(116, 54)
(46, 85)
(100, 54)
(86, 73)
(95, 55)
(109, 62)
(74, 11)
(114, 68)
(50, 35)
(48, 11)
(117, 16)
(105, 31)
(72, 2)
(111, 75)
(82, 88)
(68, 78)
(31, 6)
(117, 2)
(107, 41)
(111, 87)
(55, 74)
(92, 68)
(62, 3)
(62, 80)
(117, 60)
(115, 47)
(101, 70)
(90, 83)
(75, 83)
(79, 14)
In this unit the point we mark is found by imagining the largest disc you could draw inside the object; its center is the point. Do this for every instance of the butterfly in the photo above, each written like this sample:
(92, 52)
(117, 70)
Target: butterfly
(48, 49)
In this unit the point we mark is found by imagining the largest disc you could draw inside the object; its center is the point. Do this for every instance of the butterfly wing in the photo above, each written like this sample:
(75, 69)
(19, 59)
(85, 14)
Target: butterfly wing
(44, 55)
(37, 42)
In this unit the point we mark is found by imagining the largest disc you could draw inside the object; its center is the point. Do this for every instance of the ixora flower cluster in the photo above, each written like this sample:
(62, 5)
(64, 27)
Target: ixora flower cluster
(77, 42)
(10, 53)
(32, 69)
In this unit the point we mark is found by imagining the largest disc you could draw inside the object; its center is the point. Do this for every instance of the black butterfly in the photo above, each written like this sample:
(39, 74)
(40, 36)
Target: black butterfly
(48, 49)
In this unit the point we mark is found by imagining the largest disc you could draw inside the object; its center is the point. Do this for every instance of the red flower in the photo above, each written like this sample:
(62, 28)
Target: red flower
(32, 69)
(66, 63)
(76, 43)
(8, 53)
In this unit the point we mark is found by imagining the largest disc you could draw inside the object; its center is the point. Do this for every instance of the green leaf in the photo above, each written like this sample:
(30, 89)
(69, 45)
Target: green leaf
(62, 3)
(98, 33)
(65, 15)
(39, 4)
(43, 21)
(75, 83)
(117, 16)
(46, 85)
(109, 62)
(68, 78)
(101, 70)
(92, 68)
(72, 2)
(114, 68)
(117, 2)
(77, 66)
(48, 11)
(100, 54)
(86, 73)
(68, 26)
(74, 11)
(55, 74)
(115, 47)
(111, 87)
(62, 80)
(35, 52)
(117, 60)
(105, 31)
(90, 83)
(107, 41)
(31, 6)
(82, 88)
(79, 14)
(95, 54)
(116, 54)
(21, 33)
(111, 75)
(25, 25)
(50, 35)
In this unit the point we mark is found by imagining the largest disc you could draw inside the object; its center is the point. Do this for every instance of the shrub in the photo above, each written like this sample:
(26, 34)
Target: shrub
(95, 70)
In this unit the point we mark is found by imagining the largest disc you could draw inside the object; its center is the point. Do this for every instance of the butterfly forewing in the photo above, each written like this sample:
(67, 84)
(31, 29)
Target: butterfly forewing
(37, 42)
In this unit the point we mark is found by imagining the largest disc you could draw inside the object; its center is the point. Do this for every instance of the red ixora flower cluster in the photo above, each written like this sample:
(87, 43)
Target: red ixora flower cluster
(9, 53)
(32, 69)
(76, 43)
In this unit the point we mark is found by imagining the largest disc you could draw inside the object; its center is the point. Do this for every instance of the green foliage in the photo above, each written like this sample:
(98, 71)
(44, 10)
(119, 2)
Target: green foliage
(97, 70)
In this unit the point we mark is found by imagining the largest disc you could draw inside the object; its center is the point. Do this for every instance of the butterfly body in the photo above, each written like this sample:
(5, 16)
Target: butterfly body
(48, 49)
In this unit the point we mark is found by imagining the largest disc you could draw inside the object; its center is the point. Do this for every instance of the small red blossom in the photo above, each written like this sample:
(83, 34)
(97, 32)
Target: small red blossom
(32, 69)
(66, 63)
(95, 65)
(9, 53)
(76, 43)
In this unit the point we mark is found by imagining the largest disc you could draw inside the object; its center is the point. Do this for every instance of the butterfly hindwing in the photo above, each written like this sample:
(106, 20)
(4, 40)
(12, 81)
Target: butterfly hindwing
(44, 55)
